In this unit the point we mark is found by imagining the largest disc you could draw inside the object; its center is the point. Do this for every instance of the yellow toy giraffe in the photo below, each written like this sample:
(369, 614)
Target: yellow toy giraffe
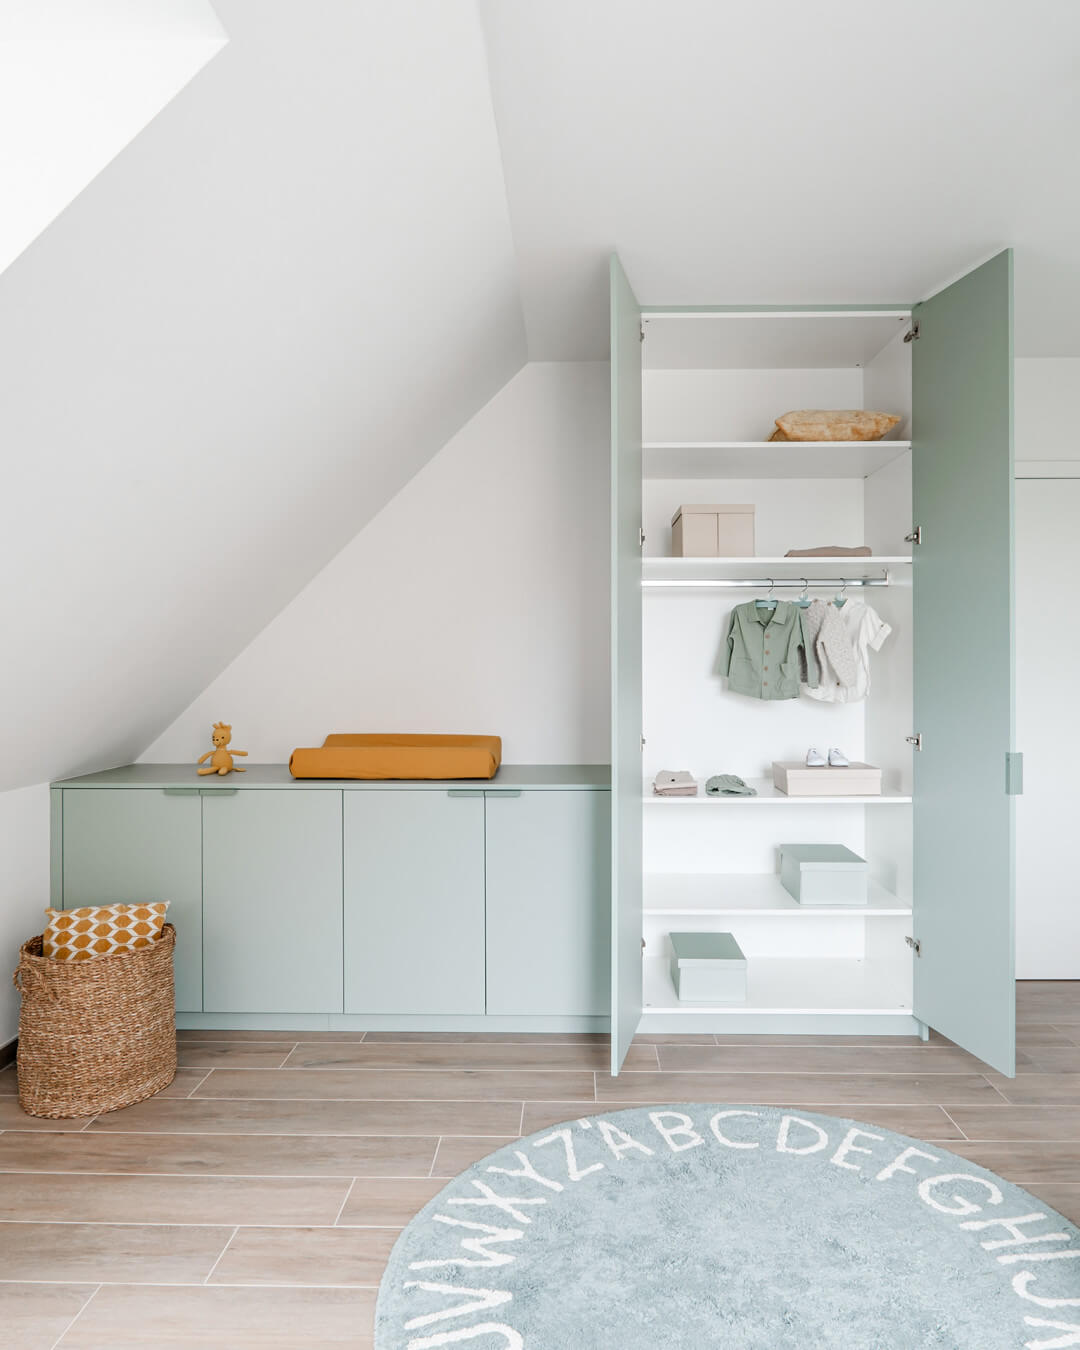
(222, 758)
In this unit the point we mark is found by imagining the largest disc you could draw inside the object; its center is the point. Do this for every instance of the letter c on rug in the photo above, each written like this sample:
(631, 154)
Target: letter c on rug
(722, 1138)
(1022, 1285)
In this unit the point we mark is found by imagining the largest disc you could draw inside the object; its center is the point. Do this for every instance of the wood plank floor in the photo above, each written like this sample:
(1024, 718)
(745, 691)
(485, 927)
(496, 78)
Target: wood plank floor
(254, 1203)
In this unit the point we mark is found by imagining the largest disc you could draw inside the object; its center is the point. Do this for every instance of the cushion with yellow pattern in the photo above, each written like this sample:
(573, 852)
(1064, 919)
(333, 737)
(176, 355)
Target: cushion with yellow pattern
(101, 930)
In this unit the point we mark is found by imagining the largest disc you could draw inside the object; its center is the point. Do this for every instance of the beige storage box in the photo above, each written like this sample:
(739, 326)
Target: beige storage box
(713, 532)
(797, 780)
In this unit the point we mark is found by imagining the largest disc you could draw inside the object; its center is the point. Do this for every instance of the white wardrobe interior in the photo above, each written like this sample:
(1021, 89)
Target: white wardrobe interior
(712, 386)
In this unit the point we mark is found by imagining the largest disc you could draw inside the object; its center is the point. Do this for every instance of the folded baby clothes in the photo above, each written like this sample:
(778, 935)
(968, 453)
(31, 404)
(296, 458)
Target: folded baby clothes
(728, 785)
(830, 551)
(674, 784)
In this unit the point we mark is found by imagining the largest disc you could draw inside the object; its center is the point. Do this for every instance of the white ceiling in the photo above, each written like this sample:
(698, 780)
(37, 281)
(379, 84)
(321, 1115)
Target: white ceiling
(782, 152)
(231, 350)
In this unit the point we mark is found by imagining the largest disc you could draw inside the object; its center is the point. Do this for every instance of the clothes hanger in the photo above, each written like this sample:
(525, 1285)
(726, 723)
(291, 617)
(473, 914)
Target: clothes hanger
(768, 602)
(803, 601)
(841, 599)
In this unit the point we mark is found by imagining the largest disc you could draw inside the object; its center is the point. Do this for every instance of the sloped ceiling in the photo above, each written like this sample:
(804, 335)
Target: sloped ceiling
(79, 79)
(231, 350)
(785, 152)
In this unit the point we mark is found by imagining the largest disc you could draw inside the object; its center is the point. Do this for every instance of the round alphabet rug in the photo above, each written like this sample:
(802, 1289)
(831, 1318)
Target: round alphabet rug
(744, 1227)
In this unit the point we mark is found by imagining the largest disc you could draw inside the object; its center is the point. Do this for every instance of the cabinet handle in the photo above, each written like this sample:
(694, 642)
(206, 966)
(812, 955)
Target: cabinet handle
(504, 792)
(218, 792)
(181, 792)
(465, 792)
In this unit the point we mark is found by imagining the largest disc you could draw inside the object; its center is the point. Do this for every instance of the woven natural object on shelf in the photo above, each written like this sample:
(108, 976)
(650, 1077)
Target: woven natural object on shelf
(840, 424)
(95, 1035)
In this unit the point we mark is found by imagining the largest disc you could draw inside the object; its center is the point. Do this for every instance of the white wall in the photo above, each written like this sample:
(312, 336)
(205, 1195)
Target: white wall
(477, 601)
(24, 886)
(1047, 521)
(79, 79)
(1045, 389)
(232, 349)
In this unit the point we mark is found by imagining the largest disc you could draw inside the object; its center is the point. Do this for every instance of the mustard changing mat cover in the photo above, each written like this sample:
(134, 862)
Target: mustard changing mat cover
(399, 756)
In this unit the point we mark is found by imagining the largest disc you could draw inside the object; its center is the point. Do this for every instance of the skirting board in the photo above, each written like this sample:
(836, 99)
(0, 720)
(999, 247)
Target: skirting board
(682, 1022)
(356, 1022)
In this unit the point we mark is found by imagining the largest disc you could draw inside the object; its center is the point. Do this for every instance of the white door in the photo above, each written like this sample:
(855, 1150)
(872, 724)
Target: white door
(1047, 730)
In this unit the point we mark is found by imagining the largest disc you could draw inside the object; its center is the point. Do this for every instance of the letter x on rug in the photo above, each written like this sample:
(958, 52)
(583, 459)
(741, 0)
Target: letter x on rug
(744, 1227)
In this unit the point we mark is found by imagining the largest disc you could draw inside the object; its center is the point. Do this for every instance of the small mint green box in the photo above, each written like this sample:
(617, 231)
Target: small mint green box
(708, 968)
(823, 874)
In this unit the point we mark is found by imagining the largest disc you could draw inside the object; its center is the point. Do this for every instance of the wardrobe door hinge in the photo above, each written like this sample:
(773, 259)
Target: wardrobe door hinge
(915, 537)
(915, 740)
(912, 335)
(1014, 773)
(914, 944)
(640, 537)
(641, 332)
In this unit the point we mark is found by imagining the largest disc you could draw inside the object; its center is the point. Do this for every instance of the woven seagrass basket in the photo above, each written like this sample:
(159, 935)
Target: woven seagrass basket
(95, 1035)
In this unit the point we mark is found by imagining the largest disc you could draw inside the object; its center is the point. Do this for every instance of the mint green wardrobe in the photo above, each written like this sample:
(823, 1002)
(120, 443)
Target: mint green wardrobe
(965, 773)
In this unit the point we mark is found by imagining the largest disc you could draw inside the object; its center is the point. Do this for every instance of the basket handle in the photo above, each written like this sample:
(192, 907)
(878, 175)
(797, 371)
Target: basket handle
(31, 985)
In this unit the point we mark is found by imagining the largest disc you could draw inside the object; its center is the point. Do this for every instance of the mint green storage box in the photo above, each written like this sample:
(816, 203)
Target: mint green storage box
(708, 968)
(823, 874)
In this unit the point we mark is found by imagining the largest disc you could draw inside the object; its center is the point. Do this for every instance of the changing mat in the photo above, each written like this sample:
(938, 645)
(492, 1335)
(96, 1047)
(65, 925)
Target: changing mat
(399, 756)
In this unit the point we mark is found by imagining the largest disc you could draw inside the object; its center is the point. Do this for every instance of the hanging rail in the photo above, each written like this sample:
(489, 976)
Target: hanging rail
(760, 583)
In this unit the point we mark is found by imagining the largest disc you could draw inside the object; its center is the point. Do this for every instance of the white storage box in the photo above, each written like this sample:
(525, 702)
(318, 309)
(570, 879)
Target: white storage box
(823, 874)
(713, 532)
(796, 779)
(708, 968)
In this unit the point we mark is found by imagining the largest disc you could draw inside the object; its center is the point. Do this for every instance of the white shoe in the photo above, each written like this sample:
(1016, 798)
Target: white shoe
(815, 759)
(837, 759)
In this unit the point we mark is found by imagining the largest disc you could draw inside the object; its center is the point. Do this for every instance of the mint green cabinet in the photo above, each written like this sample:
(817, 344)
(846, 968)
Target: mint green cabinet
(272, 901)
(414, 901)
(125, 846)
(548, 903)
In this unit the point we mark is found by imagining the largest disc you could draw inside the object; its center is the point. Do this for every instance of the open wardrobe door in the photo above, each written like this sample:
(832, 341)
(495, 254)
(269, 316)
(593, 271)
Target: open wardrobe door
(965, 770)
(626, 781)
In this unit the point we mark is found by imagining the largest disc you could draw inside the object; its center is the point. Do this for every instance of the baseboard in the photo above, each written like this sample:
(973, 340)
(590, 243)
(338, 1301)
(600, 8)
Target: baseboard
(357, 1022)
(8, 1052)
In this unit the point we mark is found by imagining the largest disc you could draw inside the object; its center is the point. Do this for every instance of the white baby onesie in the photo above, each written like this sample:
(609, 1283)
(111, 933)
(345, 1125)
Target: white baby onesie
(867, 631)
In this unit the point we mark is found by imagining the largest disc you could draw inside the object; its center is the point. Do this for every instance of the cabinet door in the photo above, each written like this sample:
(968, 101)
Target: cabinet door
(963, 674)
(626, 782)
(414, 901)
(272, 900)
(125, 845)
(548, 903)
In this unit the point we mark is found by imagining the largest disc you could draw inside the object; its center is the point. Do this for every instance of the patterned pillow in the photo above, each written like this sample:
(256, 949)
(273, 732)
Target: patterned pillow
(101, 930)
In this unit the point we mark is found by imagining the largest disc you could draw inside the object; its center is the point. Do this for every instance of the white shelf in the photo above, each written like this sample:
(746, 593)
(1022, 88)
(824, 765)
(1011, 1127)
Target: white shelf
(697, 894)
(768, 795)
(869, 988)
(768, 459)
(665, 573)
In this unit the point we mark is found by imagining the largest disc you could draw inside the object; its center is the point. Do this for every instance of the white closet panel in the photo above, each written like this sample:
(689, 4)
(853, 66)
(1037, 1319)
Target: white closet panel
(1048, 732)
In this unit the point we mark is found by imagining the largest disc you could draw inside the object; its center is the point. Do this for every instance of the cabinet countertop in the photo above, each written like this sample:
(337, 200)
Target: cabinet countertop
(550, 777)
